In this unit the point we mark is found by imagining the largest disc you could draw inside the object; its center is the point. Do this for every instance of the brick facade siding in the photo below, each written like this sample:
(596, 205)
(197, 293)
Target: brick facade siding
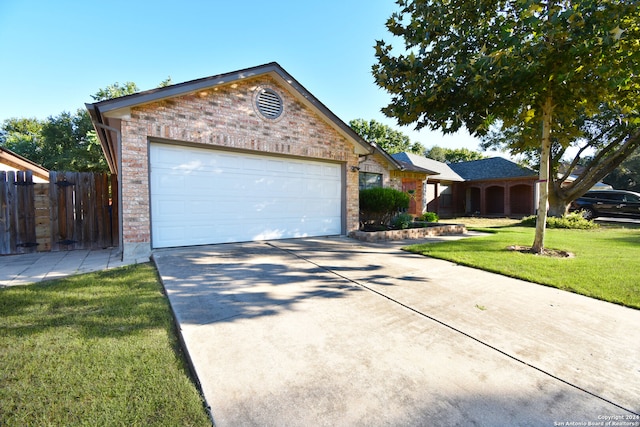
(224, 117)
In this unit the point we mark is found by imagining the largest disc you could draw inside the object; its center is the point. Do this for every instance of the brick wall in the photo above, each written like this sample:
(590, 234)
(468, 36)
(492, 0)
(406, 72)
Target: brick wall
(376, 164)
(224, 117)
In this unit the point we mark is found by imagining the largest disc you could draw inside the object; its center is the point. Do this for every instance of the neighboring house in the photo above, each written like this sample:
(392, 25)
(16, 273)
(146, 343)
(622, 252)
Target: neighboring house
(438, 188)
(247, 155)
(496, 186)
(493, 186)
(10, 161)
(597, 186)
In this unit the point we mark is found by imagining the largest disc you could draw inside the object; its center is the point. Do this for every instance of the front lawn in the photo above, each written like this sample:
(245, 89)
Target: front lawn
(97, 349)
(606, 263)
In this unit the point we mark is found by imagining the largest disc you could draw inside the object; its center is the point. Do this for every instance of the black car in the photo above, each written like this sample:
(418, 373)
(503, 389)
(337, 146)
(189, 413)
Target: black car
(613, 203)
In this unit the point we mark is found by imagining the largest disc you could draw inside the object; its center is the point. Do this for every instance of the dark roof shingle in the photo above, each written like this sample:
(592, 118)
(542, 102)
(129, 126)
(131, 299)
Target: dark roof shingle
(491, 168)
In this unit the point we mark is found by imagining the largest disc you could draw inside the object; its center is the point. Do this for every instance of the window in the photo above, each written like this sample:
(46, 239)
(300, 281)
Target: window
(370, 180)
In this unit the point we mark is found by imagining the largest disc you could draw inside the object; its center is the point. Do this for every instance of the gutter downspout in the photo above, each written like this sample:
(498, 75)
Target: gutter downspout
(119, 161)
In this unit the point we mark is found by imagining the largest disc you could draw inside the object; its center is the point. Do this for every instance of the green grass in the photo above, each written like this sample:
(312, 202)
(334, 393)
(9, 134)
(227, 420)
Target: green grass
(96, 349)
(606, 263)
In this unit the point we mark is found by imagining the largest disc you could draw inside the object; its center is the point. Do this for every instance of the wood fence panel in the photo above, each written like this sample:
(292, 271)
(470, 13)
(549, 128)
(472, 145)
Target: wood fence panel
(78, 192)
(5, 225)
(66, 211)
(114, 210)
(17, 213)
(53, 211)
(26, 213)
(43, 217)
(100, 187)
(75, 210)
(12, 211)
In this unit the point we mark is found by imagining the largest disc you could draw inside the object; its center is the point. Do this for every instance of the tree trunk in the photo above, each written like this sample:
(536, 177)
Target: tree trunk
(558, 206)
(543, 183)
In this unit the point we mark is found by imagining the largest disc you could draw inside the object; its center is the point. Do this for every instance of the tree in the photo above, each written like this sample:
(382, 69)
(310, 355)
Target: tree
(63, 142)
(627, 175)
(116, 90)
(452, 155)
(166, 82)
(385, 137)
(603, 143)
(539, 66)
(22, 136)
(66, 141)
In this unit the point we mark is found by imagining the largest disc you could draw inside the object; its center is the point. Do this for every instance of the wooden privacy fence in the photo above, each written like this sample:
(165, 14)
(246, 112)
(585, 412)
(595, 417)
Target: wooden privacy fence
(75, 210)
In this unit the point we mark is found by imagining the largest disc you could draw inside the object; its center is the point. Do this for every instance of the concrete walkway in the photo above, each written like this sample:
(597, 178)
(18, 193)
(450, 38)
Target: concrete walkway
(36, 267)
(342, 333)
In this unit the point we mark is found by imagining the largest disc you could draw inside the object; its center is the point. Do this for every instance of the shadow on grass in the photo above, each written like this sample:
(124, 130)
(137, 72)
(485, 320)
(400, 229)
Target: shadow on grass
(106, 304)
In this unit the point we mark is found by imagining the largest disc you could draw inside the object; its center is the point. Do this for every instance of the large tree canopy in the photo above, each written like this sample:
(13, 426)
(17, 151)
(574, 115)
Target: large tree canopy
(541, 67)
(63, 142)
(117, 90)
(390, 140)
(452, 155)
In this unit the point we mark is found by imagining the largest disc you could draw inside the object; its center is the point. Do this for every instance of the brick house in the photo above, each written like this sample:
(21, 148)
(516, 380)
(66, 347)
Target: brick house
(496, 187)
(438, 189)
(242, 156)
(487, 187)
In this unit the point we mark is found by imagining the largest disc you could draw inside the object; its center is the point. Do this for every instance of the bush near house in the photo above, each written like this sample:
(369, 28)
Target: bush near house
(428, 217)
(573, 221)
(402, 221)
(379, 205)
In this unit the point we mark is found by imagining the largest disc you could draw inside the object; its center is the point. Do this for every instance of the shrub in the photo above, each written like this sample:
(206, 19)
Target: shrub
(573, 220)
(402, 221)
(429, 217)
(379, 205)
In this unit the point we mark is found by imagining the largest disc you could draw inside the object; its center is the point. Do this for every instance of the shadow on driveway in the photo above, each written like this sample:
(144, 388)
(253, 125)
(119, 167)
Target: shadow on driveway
(337, 332)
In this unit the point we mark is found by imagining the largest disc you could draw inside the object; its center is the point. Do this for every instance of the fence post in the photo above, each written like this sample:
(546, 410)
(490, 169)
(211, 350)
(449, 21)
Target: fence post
(53, 211)
(5, 225)
(25, 213)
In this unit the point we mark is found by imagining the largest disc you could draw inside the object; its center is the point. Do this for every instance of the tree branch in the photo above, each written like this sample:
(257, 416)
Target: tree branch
(603, 166)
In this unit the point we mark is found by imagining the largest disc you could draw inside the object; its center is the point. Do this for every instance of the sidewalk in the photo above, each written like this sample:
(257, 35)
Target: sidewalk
(37, 267)
(40, 266)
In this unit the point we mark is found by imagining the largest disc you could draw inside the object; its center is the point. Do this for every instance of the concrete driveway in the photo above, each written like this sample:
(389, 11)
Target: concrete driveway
(338, 332)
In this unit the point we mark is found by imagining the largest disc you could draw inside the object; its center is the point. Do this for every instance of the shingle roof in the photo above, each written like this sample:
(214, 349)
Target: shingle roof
(442, 170)
(492, 168)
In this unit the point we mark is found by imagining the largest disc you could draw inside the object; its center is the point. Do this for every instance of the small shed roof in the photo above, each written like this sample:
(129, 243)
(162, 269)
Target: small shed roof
(437, 169)
(15, 161)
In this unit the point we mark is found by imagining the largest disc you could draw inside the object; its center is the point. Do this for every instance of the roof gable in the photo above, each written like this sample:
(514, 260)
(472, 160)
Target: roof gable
(106, 115)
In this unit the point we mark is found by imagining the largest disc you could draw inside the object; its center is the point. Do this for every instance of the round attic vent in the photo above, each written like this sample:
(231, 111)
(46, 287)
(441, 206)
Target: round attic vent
(269, 104)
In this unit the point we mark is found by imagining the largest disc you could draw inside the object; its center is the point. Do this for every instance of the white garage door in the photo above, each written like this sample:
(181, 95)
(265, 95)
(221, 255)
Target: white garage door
(203, 196)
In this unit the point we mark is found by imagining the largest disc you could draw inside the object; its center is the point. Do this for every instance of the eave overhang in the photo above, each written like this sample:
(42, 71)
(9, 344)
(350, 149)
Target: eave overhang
(108, 114)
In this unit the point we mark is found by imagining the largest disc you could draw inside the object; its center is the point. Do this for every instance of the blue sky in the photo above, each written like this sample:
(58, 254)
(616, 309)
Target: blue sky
(57, 53)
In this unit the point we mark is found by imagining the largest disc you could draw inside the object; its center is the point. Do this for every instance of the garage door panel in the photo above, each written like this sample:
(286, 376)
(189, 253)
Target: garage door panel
(202, 196)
